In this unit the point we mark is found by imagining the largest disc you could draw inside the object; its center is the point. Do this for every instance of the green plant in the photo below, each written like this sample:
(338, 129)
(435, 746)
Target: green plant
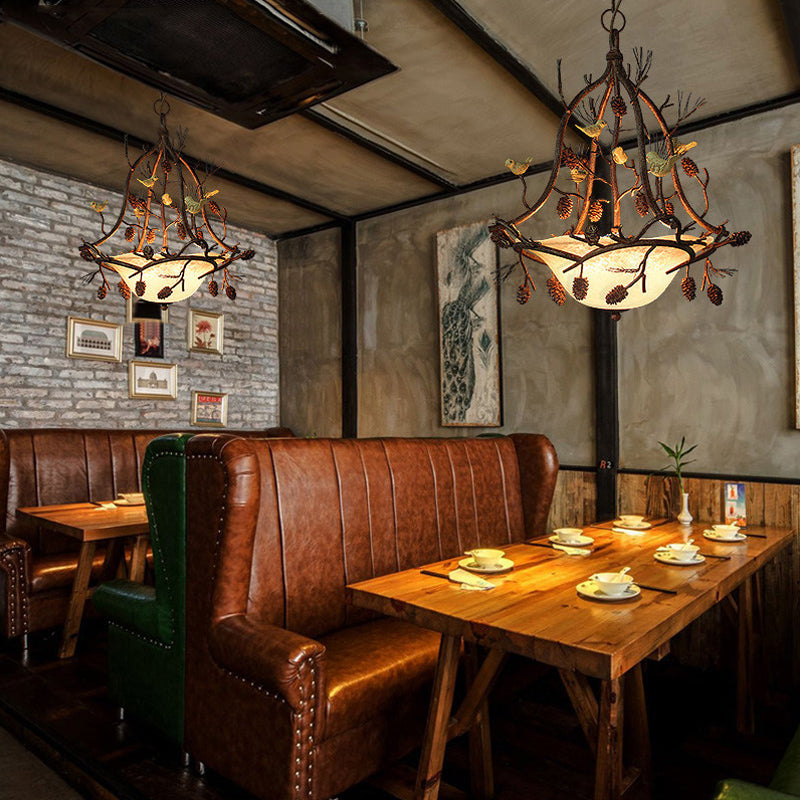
(678, 455)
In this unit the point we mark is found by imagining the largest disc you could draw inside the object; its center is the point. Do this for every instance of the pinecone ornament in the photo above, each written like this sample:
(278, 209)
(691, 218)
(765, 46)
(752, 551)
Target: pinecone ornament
(669, 208)
(570, 158)
(214, 208)
(166, 166)
(248, 254)
(592, 235)
(595, 211)
(523, 293)
(618, 107)
(641, 205)
(123, 289)
(689, 287)
(558, 294)
(714, 294)
(740, 238)
(164, 293)
(147, 251)
(616, 295)
(102, 292)
(580, 286)
(213, 288)
(689, 167)
(129, 233)
(151, 235)
(139, 288)
(231, 292)
(86, 252)
(565, 206)
(180, 230)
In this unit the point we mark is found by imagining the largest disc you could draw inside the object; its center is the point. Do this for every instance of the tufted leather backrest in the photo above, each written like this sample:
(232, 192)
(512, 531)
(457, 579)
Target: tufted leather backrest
(280, 527)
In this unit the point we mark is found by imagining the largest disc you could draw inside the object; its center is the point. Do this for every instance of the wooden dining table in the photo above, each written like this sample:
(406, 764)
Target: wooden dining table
(535, 611)
(91, 523)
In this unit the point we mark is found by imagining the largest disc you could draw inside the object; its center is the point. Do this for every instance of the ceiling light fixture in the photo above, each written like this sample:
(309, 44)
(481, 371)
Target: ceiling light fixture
(176, 230)
(596, 263)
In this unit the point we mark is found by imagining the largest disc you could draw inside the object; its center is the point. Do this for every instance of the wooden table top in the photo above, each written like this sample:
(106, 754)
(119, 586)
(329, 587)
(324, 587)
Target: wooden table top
(536, 611)
(89, 522)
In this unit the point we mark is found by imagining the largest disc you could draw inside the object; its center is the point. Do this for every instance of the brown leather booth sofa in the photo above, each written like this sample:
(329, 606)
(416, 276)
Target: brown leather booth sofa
(48, 466)
(289, 692)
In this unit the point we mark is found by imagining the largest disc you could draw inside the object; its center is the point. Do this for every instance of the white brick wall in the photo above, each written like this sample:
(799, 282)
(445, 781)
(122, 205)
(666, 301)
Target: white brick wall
(42, 219)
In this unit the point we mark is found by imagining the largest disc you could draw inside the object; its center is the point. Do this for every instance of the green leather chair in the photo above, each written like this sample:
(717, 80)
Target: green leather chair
(147, 631)
(785, 783)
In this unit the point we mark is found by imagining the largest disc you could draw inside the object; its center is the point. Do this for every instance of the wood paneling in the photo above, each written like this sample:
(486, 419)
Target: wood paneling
(574, 500)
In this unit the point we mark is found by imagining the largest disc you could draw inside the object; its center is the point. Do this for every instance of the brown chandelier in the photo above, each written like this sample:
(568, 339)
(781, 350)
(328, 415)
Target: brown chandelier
(174, 229)
(610, 270)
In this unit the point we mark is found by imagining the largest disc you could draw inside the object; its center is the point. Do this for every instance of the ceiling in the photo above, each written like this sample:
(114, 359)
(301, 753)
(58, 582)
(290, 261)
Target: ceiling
(448, 117)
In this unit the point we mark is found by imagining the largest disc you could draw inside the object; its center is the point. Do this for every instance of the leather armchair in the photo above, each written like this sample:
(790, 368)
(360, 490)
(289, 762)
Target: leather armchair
(146, 636)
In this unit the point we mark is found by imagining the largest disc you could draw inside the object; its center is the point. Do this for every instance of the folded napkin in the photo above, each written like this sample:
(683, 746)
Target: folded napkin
(572, 551)
(105, 507)
(468, 580)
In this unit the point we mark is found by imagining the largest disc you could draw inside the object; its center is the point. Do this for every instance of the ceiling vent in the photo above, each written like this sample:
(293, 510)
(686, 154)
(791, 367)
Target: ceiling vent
(249, 61)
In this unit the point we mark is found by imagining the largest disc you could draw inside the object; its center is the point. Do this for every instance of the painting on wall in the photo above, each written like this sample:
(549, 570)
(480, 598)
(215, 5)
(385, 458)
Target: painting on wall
(796, 232)
(210, 409)
(469, 327)
(148, 339)
(156, 381)
(89, 338)
(205, 331)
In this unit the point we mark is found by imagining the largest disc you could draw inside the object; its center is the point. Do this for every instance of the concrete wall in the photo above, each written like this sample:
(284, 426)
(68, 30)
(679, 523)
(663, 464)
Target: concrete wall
(42, 217)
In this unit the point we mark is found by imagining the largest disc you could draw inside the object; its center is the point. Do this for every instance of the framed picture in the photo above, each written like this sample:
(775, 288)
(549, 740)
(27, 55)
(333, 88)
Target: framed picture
(158, 381)
(204, 331)
(138, 310)
(148, 339)
(469, 327)
(89, 338)
(210, 409)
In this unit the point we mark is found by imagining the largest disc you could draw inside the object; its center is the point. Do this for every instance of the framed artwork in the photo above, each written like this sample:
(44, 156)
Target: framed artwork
(138, 310)
(204, 331)
(210, 409)
(89, 338)
(796, 237)
(148, 339)
(154, 381)
(469, 327)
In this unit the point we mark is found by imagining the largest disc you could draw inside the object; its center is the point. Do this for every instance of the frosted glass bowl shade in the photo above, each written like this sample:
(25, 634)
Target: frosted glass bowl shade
(617, 267)
(164, 273)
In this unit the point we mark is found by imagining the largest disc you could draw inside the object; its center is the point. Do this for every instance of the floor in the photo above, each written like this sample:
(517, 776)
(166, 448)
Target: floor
(61, 712)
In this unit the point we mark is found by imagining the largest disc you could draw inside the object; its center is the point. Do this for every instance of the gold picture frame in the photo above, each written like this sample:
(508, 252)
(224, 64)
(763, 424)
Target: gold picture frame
(138, 310)
(94, 339)
(151, 380)
(210, 409)
(204, 331)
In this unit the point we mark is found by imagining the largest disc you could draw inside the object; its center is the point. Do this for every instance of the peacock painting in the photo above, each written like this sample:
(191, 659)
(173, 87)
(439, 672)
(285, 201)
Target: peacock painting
(468, 327)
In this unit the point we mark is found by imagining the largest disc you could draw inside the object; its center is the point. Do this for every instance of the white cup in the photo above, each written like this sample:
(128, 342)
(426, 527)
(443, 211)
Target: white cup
(725, 529)
(485, 557)
(683, 552)
(569, 535)
(631, 519)
(612, 583)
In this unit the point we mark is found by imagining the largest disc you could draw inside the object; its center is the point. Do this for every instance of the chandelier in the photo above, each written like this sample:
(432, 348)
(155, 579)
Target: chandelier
(605, 268)
(172, 228)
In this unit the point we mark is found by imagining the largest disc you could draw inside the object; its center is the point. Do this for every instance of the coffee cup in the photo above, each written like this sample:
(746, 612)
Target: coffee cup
(725, 529)
(683, 552)
(612, 583)
(631, 519)
(568, 535)
(486, 557)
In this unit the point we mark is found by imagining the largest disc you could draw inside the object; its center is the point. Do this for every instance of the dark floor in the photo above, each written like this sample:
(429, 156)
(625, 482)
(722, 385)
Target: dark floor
(61, 711)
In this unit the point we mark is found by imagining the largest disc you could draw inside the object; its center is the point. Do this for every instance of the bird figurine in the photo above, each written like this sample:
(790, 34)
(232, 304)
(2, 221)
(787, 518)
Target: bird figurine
(659, 166)
(148, 182)
(519, 167)
(196, 206)
(619, 155)
(681, 149)
(594, 130)
(98, 207)
(578, 173)
(166, 199)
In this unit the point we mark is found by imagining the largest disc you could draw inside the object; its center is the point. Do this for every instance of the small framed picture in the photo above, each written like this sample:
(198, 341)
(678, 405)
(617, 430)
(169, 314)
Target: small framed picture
(148, 339)
(89, 338)
(210, 409)
(735, 504)
(138, 310)
(155, 381)
(204, 331)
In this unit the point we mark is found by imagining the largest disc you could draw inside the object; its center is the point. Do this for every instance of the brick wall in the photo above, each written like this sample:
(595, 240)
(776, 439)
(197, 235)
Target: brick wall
(42, 217)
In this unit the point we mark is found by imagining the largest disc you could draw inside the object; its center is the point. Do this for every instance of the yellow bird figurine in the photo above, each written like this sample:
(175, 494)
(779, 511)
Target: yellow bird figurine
(619, 155)
(196, 206)
(681, 149)
(519, 167)
(166, 199)
(98, 207)
(660, 166)
(594, 130)
(578, 174)
(148, 182)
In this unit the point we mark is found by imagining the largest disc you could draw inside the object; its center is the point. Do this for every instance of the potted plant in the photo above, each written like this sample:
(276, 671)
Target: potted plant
(678, 454)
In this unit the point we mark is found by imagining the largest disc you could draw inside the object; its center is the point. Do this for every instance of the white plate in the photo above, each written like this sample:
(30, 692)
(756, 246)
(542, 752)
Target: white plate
(503, 565)
(669, 558)
(581, 541)
(724, 537)
(121, 502)
(591, 591)
(639, 526)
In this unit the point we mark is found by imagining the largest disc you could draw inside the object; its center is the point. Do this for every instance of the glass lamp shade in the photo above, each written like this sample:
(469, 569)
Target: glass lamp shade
(617, 267)
(164, 273)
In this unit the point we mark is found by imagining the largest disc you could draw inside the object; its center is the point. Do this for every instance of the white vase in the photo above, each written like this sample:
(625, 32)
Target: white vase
(685, 518)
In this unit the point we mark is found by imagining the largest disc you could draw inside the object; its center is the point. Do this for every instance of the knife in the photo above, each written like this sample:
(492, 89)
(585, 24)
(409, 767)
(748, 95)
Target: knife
(654, 588)
(435, 574)
(714, 555)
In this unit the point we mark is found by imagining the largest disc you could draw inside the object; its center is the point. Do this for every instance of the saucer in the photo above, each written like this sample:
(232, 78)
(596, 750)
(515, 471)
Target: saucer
(581, 541)
(503, 565)
(591, 591)
(724, 537)
(669, 558)
(639, 526)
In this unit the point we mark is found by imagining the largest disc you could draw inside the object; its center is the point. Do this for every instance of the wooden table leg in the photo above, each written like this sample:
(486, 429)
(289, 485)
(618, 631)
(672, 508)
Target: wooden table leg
(637, 730)
(584, 702)
(431, 759)
(481, 769)
(745, 718)
(77, 600)
(608, 772)
(138, 558)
